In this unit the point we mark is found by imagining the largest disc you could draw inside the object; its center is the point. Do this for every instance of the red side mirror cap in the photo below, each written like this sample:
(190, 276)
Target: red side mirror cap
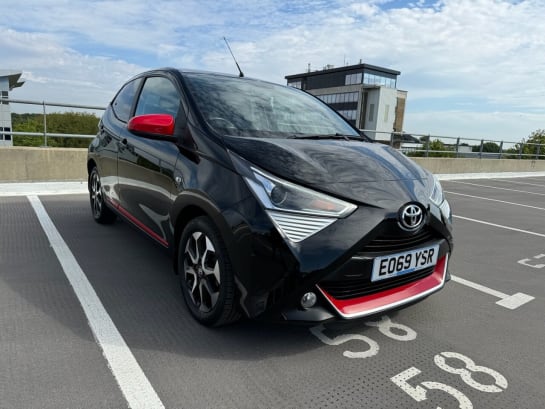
(152, 124)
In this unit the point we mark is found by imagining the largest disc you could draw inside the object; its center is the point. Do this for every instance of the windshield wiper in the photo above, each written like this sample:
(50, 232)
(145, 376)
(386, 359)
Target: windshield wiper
(328, 136)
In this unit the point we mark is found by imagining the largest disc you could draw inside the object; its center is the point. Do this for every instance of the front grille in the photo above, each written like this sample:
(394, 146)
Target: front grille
(392, 243)
(353, 279)
(358, 287)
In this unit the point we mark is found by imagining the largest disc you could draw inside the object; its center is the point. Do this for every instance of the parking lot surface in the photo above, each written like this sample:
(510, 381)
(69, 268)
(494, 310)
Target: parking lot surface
(91, 316)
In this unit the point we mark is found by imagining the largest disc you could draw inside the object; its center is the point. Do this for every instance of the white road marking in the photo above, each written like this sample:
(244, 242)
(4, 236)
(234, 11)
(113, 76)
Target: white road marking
(495, 175)
(42, 188)
(494, 200)
(525, 261)
(508, 301)
(498, 188)
(127, 372)
(499, 225)
(519, 183)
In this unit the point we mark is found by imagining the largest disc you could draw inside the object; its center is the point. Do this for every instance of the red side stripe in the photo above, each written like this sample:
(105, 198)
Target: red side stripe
(138, 223)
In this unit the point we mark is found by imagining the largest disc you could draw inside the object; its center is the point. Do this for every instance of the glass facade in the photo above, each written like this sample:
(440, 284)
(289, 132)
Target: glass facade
(339, 98)
(352, 79)
(373, 79)
(295, 84)
(369, 79)
(350, 114)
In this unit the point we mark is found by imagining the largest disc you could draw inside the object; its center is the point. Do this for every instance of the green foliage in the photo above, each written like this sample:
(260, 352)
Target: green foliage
(437, 149)
(80, 123)
(532, 148)
(488, 147)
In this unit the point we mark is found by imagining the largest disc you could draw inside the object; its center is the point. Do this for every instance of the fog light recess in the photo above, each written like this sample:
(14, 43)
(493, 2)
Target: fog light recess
(308, 300)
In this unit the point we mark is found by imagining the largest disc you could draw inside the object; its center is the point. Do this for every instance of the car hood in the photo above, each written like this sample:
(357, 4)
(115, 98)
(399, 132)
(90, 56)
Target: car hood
(369, 173)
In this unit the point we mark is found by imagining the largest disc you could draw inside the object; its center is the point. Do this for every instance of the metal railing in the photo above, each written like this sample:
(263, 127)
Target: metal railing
(428, 145)
(46, 134)
(413, 144)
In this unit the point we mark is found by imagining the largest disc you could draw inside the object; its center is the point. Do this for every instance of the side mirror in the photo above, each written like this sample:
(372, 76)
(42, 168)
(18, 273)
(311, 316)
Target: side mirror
(153, 126)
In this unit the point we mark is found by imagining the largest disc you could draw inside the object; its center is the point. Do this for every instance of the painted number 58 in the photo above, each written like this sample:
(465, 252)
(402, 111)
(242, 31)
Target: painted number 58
(419, 392)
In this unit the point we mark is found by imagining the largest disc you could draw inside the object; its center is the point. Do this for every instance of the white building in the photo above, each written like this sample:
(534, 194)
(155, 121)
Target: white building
(366, 95)
(9, 79)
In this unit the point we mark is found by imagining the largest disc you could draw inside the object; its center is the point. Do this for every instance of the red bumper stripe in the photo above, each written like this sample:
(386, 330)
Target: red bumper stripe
(375, 303)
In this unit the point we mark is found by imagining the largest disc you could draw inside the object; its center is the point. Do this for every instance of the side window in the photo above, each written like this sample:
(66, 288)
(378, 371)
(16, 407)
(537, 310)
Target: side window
(123, 101)
(158, 96)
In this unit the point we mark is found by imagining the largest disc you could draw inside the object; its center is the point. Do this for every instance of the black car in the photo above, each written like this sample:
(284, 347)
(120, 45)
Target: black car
(270, 202)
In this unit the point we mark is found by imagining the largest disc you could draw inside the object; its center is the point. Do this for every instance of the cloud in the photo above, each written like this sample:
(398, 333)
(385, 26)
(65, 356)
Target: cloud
(451, 53)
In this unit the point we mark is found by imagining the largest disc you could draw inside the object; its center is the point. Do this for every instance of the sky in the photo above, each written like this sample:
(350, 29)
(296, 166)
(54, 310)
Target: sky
(472, 68)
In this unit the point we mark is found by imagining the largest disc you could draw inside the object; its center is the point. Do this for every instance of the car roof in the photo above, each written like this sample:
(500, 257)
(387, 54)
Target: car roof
(182, 71)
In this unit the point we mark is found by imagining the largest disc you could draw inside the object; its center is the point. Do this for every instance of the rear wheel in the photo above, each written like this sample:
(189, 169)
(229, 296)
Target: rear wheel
(101, 213)
(206, 274)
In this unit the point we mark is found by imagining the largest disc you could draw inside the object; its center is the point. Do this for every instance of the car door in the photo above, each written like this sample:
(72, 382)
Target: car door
(146, 166)
(110, 132)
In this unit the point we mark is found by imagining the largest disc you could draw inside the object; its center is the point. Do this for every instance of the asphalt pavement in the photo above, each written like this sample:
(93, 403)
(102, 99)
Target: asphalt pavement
(91, 316)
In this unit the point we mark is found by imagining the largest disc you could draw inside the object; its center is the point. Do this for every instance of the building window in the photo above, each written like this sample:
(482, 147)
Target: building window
(349, 114)
(352, 79)
(4, 95)
(372, 79)
(295, 84)
(339, 98)
(3, 136)
(386, 111)
(371, 112)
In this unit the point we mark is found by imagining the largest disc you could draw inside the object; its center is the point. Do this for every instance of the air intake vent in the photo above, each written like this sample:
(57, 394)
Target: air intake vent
(298, 227)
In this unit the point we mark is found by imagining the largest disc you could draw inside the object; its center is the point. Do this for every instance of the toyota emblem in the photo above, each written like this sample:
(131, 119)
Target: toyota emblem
(411, 217)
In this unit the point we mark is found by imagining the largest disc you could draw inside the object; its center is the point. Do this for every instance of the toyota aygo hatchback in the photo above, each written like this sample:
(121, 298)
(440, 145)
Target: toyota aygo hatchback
(270, 202)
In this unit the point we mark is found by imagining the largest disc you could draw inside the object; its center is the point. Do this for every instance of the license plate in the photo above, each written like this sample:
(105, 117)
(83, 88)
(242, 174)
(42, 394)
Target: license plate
(399, 264)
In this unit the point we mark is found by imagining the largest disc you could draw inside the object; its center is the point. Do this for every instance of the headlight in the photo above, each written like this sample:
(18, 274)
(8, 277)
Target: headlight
(438, 198)
(296, 211)
(436, 195)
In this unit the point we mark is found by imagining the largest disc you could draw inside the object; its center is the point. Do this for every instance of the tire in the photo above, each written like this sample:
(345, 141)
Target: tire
(101, 213)
(206, 274)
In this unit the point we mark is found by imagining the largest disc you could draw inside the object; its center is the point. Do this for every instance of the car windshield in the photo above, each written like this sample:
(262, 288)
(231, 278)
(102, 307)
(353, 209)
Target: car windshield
(246, 107)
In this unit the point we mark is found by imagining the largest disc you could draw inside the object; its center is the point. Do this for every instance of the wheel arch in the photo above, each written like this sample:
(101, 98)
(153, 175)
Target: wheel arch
(190, 205)
(91, 163)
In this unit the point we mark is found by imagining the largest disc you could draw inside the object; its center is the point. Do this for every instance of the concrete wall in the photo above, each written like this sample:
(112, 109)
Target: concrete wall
(35, 164)
(462, 165)
(48, 164)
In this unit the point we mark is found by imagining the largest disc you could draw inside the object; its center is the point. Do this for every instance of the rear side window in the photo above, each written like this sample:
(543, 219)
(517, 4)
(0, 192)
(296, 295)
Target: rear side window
(159, 96)
(122, 103)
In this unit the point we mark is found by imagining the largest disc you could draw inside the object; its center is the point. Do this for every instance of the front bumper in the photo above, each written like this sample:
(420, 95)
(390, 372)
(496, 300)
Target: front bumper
(349, 293)
(391, 298)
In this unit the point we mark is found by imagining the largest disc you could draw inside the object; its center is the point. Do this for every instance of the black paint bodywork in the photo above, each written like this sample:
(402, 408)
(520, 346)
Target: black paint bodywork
(160, 185)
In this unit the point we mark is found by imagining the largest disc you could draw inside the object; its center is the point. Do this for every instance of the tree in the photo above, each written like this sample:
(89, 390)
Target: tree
(80, 123)
(437, 149)
(488, 147)
(533, 147)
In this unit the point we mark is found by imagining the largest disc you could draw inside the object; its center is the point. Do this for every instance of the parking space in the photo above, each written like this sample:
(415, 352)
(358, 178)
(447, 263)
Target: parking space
(460, 348)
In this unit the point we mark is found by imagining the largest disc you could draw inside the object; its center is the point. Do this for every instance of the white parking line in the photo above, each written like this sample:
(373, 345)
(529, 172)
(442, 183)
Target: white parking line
(482, 175)
(508, 301)
(42, 188)
(494, 200)
(499, 225)
(498, 188)
(519, 183)
(127, 372)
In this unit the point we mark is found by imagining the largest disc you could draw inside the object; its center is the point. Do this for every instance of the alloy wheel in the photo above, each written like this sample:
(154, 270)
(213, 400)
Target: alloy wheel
(202, 271)
(96, 195)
